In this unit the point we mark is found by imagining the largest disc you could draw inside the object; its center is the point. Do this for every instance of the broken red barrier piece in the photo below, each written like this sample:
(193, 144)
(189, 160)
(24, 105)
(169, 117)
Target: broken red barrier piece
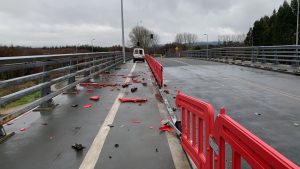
(94, 98)
(22, 129)
(89, 105)
(136, 81)
(167, 128)
(97, 84)
(134, 100)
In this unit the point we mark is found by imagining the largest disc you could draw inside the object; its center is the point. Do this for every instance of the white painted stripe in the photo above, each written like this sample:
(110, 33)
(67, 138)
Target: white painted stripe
(94, 151)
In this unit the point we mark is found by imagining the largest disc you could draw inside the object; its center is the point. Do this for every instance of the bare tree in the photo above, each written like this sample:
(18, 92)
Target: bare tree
(186, 38)
(141, 36)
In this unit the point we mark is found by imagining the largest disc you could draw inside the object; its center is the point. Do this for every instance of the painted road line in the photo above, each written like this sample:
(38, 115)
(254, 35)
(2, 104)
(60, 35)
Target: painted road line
(94, 151)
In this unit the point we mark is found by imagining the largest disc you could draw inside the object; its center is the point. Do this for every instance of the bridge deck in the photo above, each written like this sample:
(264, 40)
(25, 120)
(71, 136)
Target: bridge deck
(265, 102)
(134, 141)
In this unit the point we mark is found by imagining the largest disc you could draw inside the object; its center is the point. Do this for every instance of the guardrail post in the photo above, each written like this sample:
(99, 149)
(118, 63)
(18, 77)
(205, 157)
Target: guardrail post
(46, 89)
(72, 78)
(297, 57)
(86, 72)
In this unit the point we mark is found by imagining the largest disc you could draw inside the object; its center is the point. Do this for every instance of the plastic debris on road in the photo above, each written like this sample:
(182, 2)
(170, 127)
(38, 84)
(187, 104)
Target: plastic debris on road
(94, 98)
(134, 89)
(167, 128)
(133, 100)
(98, 84)
(136, 121)
(75, 105)
(89, 105)
(22, 129)
(78, 147)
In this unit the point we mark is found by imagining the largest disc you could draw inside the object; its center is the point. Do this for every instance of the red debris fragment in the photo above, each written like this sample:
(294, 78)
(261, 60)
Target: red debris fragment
(136, 121)
(90, 90)
(134, 100)
(94, 98)
(166, 128)
(22, 129)
(136, 80)
(89, 105)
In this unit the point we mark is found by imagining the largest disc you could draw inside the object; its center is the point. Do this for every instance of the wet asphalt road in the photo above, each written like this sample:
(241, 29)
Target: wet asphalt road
(266, 103)
(46, 142)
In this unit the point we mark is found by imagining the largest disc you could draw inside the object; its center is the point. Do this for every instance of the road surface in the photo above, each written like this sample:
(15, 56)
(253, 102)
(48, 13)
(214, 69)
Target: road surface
(266, 103)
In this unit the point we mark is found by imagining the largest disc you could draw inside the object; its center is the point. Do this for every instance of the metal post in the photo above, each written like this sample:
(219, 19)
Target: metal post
(206, 46)
(46, 89)
(297, 33)
(123, 39)
(92, 45)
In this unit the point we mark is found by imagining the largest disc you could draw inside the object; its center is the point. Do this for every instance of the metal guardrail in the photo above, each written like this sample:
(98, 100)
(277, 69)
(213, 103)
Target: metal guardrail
(50, 70)
(281, 58)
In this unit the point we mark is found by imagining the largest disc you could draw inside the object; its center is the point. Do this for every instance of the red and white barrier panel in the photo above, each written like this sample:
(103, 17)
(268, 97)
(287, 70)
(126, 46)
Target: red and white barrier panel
(156, 69)
(197, 118)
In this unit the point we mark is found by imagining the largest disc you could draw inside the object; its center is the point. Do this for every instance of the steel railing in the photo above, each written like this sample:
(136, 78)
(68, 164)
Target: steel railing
(49, 70)
(270, 57)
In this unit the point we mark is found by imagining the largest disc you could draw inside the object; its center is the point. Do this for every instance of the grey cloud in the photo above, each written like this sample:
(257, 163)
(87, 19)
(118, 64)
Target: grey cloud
(62, 22)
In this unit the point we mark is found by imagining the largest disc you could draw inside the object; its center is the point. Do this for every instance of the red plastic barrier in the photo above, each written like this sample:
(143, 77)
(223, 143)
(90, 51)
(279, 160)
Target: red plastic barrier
(243, 143)
(156, 69)
(196, 112)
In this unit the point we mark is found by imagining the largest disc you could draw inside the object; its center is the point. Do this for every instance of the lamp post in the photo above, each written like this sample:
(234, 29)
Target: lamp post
(92, 45)
(206, 46)
(297, 33)
(123, 39)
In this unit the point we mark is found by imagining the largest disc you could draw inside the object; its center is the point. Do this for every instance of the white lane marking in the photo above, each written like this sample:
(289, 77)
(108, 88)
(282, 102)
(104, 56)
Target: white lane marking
(94, 151)
(179, 61)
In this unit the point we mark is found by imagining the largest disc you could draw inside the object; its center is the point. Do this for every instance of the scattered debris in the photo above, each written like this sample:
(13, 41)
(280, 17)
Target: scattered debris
(10, 123)
(109, 157)
(94, 98)
(258, 114)
(134, 100)
(125, 85)
(97, 84)
(165, 85)
(116, 145)
(122, 126)
(151, 127)
(89, 105)
(166, 91)
(144, 83)
(75, 105)
(156, 149)
(174, 97)
(158, 97)
(50, 138)
(134, 89)
(136, 121)
(296, 124)
(140, 104)
(167, 128)
(90, 90)
(135, 80)
(112, 90)
(22, 129)
(174, 109)
(78, 147)
(44, 124)
(110, 125)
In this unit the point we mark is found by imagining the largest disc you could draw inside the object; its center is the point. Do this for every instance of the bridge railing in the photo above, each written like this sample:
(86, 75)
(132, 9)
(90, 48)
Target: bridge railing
(269, 57)
(49, 70)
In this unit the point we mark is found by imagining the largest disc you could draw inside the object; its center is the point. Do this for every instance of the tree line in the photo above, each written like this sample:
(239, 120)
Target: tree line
(277, 29)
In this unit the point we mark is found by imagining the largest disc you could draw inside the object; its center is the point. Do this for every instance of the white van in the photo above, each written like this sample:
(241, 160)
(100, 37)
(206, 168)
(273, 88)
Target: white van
(138, 54)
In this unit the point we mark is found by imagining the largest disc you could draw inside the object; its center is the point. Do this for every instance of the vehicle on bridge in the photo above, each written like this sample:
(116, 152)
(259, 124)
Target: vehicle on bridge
(138, 54)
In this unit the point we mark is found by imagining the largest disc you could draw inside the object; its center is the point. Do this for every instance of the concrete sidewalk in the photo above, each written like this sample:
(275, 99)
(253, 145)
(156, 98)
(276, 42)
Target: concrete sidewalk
(131, 140)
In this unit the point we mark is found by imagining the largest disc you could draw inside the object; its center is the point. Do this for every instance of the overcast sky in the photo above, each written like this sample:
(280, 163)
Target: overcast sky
(71, 22)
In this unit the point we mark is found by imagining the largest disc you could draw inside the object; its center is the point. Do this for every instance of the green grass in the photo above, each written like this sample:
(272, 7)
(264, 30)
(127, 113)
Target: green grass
(24, 100)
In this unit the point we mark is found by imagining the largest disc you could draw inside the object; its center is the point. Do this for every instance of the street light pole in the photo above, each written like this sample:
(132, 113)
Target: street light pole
(92, 45)
(206, 46)
(123, 39)
(297, 33)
